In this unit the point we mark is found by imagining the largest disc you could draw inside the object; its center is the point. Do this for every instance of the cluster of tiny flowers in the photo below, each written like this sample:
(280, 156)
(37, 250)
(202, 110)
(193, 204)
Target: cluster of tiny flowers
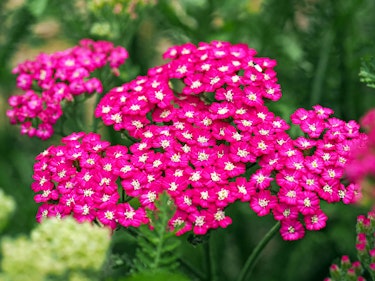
(105, 24)
(194, 149)
(346, 271)
(50, 80)
(365, 246)
(119, 7)
(361, 168)
(310, 169)
(59, 248)
(200, 122)
(79, 178)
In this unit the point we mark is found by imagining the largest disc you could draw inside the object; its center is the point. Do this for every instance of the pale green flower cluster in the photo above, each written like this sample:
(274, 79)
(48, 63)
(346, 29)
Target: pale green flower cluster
(57, 247)
(7, 206)
(118, 5)
(109, 13)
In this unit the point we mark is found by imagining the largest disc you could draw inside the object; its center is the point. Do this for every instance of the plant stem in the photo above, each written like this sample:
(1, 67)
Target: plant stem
(321, 69)
(252, 259)
(213, 261)
(95, 121)
(210, 261)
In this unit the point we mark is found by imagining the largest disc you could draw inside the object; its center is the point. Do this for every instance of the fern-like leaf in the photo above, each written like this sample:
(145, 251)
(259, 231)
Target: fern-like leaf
(157, 246)
(367, 72)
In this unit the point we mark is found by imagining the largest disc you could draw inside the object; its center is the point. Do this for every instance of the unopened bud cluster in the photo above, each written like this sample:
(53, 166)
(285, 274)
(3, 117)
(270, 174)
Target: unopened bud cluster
(365, 245)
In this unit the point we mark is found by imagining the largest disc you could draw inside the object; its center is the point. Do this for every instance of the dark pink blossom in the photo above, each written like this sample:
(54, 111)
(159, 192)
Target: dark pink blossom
(58, 78)
(201, 127)
(292, 230)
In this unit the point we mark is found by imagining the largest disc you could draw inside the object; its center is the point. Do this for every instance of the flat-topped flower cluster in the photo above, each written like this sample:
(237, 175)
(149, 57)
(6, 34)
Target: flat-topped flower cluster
(57, 249)
(202, 133)
(51, 80)
(80, 178)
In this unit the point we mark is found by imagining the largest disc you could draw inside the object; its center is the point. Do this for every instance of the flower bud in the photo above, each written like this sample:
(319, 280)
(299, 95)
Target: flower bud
(345, 263)
(351, 274)
(363, 224)
(372, 266)
(361, 248)
(335, 272)
(361, 238)
(357, 266)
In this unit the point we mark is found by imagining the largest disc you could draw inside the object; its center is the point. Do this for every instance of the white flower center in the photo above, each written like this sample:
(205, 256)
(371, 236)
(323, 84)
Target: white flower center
(242, 152)
(263, 202)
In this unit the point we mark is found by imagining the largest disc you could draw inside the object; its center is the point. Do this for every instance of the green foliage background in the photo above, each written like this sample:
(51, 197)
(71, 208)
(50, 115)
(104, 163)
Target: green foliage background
(319, 46)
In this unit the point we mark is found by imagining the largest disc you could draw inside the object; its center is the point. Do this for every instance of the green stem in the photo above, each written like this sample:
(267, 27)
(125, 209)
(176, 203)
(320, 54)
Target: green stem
(162, 233)
(209, 257)
(252, 259)
(75, 115)
(78, 122)
(95, 121)
(212, 260)
(320, 74)
(122, 195)
(207, 260)
(130, 139)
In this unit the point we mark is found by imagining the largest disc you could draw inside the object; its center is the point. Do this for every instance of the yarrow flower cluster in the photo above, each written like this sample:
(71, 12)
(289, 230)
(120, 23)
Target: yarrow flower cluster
(119, 7)
(365, 246)
(79, 178)
(56, 248)
(50, 80)
(200, 122)
(106, 14)
(310, 169)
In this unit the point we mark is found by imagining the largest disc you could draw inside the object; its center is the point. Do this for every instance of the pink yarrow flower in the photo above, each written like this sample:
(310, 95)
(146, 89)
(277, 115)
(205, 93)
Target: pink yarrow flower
(51, 80)
(196, 139)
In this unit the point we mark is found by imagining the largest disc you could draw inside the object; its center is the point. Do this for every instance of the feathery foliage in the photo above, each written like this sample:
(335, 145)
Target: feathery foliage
(157, 246)
(367, 73)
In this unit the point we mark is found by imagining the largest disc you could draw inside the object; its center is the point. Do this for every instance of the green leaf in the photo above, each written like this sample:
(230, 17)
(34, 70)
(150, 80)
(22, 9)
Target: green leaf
(156, 276)
(157, 247)
(367, 72)
(37, 7)
(170, 245)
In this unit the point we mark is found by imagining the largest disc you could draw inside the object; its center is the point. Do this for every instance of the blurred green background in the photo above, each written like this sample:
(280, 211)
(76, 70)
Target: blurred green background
(319, 45)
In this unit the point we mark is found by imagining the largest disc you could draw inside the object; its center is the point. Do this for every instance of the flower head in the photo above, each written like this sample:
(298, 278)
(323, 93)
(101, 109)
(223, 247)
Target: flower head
(199, 123)
(52, 80)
